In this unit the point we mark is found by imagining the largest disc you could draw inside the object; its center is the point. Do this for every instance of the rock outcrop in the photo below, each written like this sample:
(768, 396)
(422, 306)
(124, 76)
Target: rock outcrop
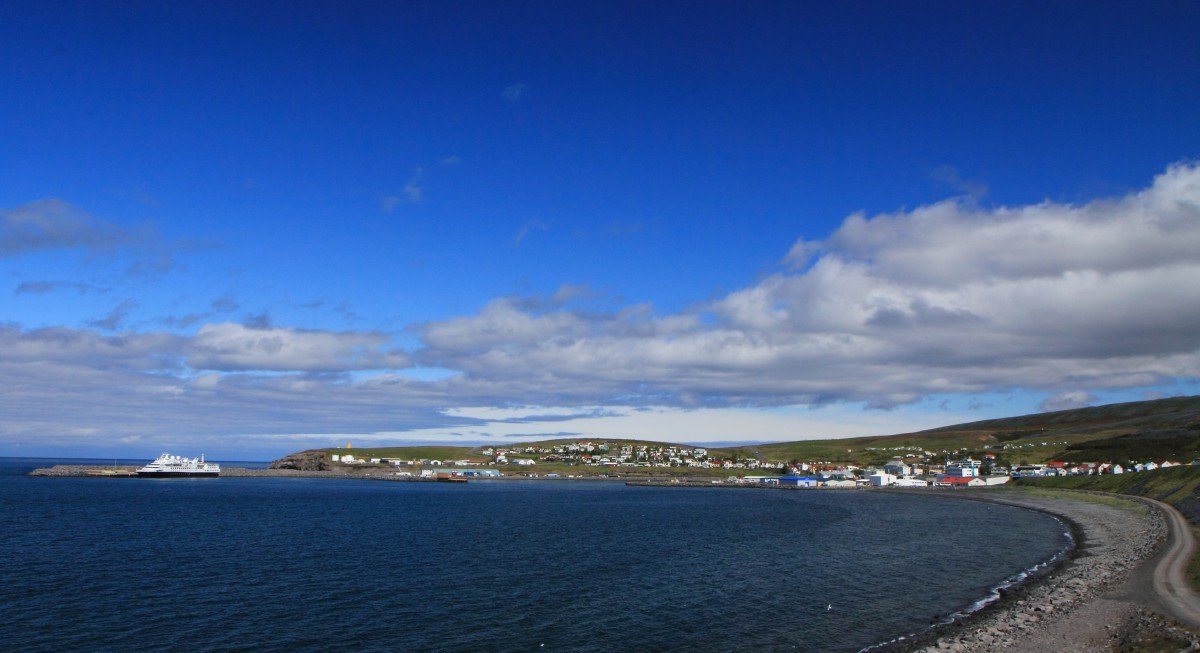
(313, 460)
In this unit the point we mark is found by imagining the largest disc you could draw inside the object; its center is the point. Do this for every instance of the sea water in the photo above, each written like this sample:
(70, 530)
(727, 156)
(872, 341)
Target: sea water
(313, 564)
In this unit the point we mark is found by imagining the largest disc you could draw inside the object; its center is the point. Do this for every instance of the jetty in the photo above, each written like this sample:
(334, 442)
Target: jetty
(111, 471)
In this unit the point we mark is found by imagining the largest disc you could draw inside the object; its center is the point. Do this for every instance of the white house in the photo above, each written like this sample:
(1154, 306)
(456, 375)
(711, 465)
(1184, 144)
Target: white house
(882, 479)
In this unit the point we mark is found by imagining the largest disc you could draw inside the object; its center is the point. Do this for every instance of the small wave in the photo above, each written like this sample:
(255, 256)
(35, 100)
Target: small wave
(994, 593)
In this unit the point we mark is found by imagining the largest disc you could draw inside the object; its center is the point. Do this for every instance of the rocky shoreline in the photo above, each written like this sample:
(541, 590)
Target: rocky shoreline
(1097, 599)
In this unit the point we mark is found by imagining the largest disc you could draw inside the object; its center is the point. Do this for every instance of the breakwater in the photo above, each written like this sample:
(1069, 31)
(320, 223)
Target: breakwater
(122, 471)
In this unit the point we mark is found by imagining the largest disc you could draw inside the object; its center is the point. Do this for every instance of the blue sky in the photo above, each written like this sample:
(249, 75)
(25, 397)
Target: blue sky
(258, 228)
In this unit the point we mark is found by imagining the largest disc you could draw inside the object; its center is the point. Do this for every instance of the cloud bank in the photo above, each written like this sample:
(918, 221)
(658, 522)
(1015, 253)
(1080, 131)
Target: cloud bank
(234, 347)
(947, 298)
(950, 298)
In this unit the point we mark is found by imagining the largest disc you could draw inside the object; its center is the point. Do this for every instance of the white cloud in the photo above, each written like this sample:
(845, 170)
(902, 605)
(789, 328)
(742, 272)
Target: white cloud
(526, 228)
(413, 188)
(82, 348)
(54, 224)
(49, 286)
(388, 203)
(949, 176)
(116, 317)
(228, 346)
(413, 192)
(514, 92)
(947, 298)
(952, 298)
(667, 423)
(953, 242)
(207, 381)
(1067, 401)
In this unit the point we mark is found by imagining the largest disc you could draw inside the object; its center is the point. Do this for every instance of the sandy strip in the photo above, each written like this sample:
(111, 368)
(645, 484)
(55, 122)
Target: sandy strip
(1088, 604)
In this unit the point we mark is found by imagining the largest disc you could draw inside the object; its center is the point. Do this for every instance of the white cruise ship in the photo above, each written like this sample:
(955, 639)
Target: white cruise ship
(168, 466)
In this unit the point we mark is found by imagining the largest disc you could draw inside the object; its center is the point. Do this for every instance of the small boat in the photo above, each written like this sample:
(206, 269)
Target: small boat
(168, 466)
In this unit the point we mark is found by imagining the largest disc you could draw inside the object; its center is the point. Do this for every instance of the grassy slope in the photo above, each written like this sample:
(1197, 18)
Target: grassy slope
(1074, 427)
(409, 453)
(444, 453)
(1178, 486)
(1136, 430)
(455, 453)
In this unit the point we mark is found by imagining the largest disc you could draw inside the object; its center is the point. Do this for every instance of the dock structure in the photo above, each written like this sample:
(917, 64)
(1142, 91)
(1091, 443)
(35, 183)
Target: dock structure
(105, 471)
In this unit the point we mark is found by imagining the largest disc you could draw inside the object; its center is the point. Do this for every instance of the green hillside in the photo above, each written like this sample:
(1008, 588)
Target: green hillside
(1180, 445)
(408, 453)
(1135, 415)
(455, 453)
(1178, 486)
(1143, 430)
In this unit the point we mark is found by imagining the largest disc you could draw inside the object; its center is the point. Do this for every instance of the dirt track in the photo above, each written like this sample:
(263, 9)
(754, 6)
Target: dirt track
(1170, 575)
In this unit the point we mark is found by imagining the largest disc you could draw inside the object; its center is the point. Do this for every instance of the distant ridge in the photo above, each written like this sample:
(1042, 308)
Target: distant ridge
(1138, 430)
(1153, 413)
(1132, 430)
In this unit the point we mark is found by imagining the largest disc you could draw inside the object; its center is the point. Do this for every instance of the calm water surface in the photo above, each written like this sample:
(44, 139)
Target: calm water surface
(310, 564)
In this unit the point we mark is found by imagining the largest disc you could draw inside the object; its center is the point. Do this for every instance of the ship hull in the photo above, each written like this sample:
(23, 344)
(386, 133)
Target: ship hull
(178, 474)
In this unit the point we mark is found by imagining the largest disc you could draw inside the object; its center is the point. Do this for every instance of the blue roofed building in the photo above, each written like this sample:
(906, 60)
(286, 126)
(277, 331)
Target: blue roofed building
(800, 481)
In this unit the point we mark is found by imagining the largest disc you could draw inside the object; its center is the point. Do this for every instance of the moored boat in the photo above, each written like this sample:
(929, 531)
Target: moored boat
(168, 466)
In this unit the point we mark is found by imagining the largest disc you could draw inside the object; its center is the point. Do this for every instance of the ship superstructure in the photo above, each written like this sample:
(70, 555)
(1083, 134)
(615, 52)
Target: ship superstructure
(168, 466)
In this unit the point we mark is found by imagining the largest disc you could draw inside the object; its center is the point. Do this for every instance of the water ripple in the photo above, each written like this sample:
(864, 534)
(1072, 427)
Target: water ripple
(302, 564)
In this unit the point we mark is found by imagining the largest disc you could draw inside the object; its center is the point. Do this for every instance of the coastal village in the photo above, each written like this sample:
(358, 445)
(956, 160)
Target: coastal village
(907, 467)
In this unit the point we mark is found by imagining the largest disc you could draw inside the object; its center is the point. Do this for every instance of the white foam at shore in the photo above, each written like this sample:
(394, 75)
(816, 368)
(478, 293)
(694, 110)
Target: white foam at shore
(994, 593)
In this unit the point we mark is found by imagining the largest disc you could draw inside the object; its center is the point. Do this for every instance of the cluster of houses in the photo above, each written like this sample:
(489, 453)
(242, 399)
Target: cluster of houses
(964, 472)
(577, 453)
(1060, 468)
(909, 466)
(961, 473)
(1012, 446)
(351, 459)
(624, 455)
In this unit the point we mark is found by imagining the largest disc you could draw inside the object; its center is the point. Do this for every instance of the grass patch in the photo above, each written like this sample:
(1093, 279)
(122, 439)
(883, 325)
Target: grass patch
(1178, 486)
(1077, 495)
(409, 453)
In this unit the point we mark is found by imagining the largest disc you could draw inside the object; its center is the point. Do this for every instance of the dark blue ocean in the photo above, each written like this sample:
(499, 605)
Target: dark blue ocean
(94, 564)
